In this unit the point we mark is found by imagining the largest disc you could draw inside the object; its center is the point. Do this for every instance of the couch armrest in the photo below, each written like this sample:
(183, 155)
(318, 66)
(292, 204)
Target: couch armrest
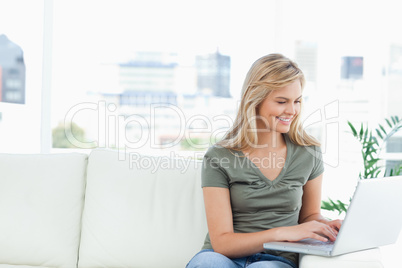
(363, 259)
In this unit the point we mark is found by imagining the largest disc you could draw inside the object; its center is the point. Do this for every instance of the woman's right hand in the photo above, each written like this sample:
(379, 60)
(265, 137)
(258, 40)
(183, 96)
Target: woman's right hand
(312, 229)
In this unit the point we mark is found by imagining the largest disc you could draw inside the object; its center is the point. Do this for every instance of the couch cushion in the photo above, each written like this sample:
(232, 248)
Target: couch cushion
(370, 258)
(41, 201)
(20, 266)
(140, 212)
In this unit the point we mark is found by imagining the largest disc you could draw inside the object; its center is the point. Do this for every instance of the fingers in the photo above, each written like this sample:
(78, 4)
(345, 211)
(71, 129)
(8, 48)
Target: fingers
(336, 224)
(319, 237)
(332, 234)
(323, 232)
(313, 229)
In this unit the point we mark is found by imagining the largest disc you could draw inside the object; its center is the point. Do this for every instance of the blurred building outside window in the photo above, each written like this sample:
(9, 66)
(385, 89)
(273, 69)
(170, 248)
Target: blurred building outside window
(133, 77)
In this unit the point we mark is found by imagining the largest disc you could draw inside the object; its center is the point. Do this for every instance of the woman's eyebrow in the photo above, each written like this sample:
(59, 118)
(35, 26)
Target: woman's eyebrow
(288, 98)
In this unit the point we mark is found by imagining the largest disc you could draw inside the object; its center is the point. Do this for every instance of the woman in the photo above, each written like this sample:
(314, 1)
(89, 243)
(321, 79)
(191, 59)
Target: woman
(262, 182)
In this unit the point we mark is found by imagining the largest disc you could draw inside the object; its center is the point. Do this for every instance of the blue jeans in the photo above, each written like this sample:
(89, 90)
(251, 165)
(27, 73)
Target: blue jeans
(207, 258)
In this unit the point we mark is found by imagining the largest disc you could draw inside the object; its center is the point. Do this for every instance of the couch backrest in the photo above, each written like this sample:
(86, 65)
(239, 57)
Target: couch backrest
(141, 211)
(41, 201)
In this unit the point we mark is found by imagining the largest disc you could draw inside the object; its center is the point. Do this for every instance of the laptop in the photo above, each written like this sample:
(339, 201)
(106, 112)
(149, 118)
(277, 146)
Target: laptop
(374, 219)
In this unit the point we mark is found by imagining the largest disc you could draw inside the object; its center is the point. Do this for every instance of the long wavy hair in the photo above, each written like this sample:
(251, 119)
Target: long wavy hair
(267, 74)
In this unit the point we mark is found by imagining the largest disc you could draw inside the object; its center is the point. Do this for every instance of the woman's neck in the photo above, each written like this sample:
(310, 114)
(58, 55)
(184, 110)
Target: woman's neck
(268, 141)
(271, 139)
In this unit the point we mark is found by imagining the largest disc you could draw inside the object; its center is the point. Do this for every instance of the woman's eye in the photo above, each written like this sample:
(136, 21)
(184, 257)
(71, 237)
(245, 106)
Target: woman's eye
(281, 102)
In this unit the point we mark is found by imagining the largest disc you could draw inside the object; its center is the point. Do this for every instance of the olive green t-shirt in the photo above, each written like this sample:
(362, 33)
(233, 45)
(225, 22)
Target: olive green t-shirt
(258, 203)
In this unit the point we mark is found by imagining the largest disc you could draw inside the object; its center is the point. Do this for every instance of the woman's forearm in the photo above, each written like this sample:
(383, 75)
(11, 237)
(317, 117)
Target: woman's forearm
(314, 217)
(236, 245)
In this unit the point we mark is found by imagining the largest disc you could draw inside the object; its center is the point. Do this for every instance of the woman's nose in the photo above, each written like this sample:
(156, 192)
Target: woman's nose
(290, 108)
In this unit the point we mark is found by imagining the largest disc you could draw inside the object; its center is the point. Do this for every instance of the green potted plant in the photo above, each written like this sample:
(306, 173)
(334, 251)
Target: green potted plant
(371, 147)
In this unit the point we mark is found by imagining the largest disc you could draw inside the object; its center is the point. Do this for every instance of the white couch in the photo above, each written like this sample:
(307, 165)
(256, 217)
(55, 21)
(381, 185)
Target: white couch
(110, 209)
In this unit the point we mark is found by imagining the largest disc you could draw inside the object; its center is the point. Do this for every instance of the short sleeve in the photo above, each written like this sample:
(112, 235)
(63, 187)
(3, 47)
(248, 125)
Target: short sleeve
(318, 167)
(213, 174)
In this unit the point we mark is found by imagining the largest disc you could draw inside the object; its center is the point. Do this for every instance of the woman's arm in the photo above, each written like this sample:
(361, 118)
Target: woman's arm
(311, 205)
(235, 245)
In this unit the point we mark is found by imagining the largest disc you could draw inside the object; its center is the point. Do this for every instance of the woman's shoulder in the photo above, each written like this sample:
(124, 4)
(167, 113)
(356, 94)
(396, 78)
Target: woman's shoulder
(295, 144)
(312, 150)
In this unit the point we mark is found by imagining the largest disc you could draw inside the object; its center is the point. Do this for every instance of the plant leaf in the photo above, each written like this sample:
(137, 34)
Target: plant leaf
(361, 132)
(382, 128)
(343, 206)
(352, 128)
(394, 120)
(365, 135)
(379, 134)
(331, 205)
(388, 122)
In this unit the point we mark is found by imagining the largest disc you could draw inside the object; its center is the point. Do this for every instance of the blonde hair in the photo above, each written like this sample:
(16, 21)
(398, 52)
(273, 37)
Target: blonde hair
(267, 74)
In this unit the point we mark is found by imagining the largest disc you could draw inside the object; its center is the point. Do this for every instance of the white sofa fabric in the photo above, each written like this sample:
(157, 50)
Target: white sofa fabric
(108, 209)
(41, 201)
(141, 215)
(370, 258)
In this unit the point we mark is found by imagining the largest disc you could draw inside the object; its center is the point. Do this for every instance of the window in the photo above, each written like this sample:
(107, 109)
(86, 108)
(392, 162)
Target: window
(147, 75)
(21, 47)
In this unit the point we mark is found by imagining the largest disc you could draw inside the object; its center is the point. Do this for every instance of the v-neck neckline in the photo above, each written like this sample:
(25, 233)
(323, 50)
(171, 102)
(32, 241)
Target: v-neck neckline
(281, 173)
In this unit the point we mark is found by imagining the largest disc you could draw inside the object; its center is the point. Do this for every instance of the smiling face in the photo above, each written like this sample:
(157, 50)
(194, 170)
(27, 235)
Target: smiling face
(280, 108)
